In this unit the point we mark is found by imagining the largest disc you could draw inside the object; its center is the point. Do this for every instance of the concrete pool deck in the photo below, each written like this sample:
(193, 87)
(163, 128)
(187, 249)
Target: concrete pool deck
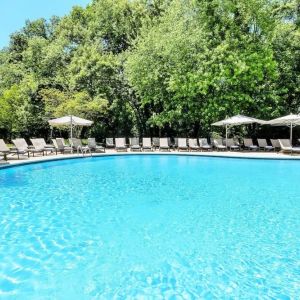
(13, 161)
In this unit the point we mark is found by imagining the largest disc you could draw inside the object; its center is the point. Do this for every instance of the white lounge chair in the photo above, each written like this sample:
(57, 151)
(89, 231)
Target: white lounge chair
(147, 145)
(135, 144)
(204, 145)
(94, 147)
(109, 143)
(41, 144)
(218, 144)
(120, 144)
(275, 144)
(59, 143)
(5, 151)
(248, 144)
(193, 145)
(233, 145)
(262, 144)
(164, 144)
(182, 145)
(286, 146)
(77, 145)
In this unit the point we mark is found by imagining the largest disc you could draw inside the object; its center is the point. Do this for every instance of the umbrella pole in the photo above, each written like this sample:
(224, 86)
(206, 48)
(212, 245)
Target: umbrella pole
(71, 127)
(291, 134)
(226, 134)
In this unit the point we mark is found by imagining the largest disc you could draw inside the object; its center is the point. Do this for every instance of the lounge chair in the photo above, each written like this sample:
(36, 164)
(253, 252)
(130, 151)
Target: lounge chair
(193, 145)
(286, 146)
(135, 144)
(22, 147)
(182, 144)
(204, 145)
(41, 144)
(120, 144)
(4, 149)
(233, 145)
(77, 145)
(218, 144)
(147, 146)
(275, 144)
(94, 147)
(109, 143)
(155, 142)
(248, 144)
(164, 144)
(60, 145)
(45, 145)
(262, 144)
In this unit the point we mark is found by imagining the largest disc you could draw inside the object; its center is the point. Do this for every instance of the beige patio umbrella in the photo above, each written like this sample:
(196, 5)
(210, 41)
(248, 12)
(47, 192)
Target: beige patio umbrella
(289, 120)
(237, 120)
(71, 121)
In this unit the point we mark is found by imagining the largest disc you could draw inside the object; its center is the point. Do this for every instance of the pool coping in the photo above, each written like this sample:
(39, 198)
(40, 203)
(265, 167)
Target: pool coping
(234, 155)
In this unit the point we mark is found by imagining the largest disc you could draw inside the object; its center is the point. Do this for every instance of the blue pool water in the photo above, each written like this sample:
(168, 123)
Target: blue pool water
(150, 227)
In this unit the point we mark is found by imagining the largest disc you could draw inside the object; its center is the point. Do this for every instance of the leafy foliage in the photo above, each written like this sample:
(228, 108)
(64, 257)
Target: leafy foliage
(152, 67)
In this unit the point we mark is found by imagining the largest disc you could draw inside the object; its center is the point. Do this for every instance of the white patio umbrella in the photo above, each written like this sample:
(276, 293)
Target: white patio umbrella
(289, 120)
(237, 120)
(70, 121)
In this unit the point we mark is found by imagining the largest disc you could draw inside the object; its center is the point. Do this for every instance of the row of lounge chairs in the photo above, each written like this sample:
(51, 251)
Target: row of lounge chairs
(39, 146)
(201, 144)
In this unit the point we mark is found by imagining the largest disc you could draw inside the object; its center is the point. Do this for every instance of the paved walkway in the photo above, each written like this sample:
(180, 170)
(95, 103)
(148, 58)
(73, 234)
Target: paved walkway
(243, 154)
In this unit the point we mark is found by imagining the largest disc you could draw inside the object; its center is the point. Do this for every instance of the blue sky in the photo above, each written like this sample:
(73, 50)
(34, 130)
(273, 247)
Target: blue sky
(14, 13)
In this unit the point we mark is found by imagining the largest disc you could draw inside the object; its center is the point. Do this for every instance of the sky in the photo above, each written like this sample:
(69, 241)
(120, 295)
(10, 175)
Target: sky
(14, 13)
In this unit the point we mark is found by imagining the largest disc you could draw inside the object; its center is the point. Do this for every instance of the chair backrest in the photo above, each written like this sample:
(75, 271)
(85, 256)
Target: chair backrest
(20, 144)
(42, 142)
(135, 141)
(284, 143)
(275, 143)
(230, 142)
(55, 143)
(92, 142)
(36, 143)
(193, 143)
(248, 142)
(217, 142)
(262, 142)
(155, 142)
(109, 142)
(163, 142)
(3, 146)
(120, 142)
(75, 143)
(203, 142)
(220, 142)
(182, 142)
(147, 142)
(60, 143)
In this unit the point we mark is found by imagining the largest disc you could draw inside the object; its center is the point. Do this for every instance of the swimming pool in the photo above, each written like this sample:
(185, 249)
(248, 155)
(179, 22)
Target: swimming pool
(155, 226)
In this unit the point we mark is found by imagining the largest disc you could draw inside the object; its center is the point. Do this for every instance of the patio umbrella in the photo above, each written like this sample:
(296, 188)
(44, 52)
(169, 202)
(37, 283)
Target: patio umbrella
(237, 120)
(70, 121)
(289, 120)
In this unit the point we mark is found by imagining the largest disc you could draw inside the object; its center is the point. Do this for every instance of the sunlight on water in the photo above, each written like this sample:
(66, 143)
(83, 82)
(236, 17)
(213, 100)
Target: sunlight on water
(158, 227)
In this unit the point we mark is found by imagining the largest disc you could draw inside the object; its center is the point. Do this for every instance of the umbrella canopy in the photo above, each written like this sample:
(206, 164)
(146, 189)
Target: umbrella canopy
(289, 120)
(237, 120)
(70, 121)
